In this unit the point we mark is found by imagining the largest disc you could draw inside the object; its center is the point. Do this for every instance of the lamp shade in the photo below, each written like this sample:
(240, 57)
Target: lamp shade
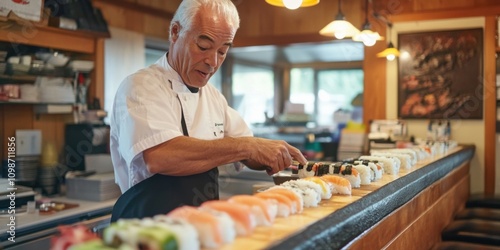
(339, 28)
(292, 4)
(390, 53)
(368, 37)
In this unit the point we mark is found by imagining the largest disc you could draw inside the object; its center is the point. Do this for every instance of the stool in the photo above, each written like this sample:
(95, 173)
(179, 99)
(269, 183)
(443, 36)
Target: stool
(473, 231)
(456, 245)
(488, 214)
(482, 200)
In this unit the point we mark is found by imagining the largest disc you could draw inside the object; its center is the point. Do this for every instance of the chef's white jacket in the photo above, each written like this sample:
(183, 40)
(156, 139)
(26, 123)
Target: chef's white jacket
(147, 112)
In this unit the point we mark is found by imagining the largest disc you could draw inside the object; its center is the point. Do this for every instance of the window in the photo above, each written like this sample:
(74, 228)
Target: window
(253, 92)
(325, 91)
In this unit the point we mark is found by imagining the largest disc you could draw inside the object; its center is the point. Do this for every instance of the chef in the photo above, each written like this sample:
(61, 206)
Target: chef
(170, 128)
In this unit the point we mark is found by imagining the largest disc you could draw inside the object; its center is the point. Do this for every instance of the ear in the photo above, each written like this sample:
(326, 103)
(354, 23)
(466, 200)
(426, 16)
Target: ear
(174, 31)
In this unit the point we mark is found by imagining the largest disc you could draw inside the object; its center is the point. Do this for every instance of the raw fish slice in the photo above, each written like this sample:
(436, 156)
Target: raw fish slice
(242, 215)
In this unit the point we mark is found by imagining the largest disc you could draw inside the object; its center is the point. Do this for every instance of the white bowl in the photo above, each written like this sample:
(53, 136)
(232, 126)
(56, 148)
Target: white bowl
(58, 60)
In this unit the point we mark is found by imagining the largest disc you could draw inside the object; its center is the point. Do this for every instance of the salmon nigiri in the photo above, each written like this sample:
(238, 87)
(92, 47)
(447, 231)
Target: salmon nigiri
(242, 215)
(285, 204)
(213, 229)
(297, 199)
(265, 211)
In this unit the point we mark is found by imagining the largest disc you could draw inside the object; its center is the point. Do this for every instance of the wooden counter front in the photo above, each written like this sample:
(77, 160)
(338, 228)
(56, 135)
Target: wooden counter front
(404, 211)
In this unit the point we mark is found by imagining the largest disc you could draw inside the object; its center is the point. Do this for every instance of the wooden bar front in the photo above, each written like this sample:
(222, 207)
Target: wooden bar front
(403, 211)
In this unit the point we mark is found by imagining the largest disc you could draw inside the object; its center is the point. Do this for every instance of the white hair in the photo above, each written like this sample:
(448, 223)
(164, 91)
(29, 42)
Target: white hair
(187, 10)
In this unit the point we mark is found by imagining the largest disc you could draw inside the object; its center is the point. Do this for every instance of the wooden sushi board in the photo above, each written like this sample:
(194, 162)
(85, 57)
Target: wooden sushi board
(263, 237)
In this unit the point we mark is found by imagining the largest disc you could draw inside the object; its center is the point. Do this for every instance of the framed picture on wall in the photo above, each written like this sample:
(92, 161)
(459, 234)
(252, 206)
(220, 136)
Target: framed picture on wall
(440, 75)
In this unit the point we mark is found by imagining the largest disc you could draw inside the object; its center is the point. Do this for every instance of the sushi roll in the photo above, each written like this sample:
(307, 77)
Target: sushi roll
(186, 234)
(214, 229)
(285, 204)
(365, 173)
(265, 211)
(326, 190)
(309, 169)
(123, 232)
(156, 237)
(340, 184)
(298, 203)
(310, 191)
(244, 220)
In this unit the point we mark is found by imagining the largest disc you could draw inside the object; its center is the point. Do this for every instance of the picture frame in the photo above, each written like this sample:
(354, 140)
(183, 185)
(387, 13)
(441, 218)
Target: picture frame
(440, 74)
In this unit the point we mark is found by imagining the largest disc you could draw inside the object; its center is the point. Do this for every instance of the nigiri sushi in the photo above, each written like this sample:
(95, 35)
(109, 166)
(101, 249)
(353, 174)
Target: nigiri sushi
(285, 204)
(298, 206)
(244, 220)
(213, 229)
(326, 190)
(340, 184)
(265, 211)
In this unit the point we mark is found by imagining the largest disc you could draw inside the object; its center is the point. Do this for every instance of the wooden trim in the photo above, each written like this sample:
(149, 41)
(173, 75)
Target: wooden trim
(489, 104)
(146, 10)
(440, 14)
(240, 41)
(48, 37)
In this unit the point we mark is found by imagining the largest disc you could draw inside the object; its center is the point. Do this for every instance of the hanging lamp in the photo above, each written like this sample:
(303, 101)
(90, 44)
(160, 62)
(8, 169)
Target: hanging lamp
(367, 36)
(293, 4)
(339, 28)
(390, 52)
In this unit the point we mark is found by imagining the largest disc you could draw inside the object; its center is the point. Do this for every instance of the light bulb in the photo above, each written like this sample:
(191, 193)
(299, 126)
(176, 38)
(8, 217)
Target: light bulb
(292, 4)
(369, 41)
(391, 57)
(339, 34)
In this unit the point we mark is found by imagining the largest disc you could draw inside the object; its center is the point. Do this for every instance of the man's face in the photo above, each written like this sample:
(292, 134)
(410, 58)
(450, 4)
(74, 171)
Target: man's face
(200, 51)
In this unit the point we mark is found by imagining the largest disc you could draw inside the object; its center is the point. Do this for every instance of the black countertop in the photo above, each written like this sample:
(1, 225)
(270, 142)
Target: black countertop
(344, 225)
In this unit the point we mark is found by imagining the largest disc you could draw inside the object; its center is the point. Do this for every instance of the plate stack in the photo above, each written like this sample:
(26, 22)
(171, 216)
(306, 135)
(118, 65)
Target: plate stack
(97, 187)
(47, 180)
(27, 169)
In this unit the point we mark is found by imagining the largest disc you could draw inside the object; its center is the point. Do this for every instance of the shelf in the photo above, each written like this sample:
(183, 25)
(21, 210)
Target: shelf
(28, 78)
(33, 103)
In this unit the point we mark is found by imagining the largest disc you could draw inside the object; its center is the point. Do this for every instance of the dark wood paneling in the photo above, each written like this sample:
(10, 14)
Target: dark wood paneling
(417, 224)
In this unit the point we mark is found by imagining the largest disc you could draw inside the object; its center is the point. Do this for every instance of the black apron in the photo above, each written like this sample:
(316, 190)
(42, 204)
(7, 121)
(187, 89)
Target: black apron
(160, 194)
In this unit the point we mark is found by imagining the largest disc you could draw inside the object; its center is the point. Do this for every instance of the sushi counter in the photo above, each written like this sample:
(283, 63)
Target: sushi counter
(400, 211)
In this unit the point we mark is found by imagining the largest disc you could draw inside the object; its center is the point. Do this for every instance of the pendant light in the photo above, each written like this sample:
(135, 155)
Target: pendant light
(293, 4)
(339, 28)
(390, 52)
(367, 36)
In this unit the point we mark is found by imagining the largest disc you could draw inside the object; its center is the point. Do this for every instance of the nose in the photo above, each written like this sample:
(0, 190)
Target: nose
(211, 59)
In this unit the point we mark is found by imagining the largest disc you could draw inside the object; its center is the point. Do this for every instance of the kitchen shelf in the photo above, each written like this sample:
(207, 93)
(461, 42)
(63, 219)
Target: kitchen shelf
(34, 103)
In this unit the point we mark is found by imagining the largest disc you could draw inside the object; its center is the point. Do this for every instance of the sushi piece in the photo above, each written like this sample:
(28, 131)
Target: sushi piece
(309, 169)
(123, 232)
(389, 165)
(186, 234)
(347, 171)
(265, 211)
(310, 191)
(285, 204)
(156, 237)
(365, 173)
(244, 220)
(340, 184)
(70, 236)
(326, 190)
(298, 205)
(213, 229)
(404, 160)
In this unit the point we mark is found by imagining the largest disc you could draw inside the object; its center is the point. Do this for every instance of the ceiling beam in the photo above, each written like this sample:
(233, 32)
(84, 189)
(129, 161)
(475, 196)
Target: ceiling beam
(148, 10)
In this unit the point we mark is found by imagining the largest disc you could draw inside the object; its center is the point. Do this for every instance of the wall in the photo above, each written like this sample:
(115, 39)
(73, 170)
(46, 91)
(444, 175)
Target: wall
(461, 129)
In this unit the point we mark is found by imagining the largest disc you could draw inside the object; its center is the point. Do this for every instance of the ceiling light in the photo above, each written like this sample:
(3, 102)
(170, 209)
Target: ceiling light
(367, 36)
(339, 28)
(390, 53)
(293, 4)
